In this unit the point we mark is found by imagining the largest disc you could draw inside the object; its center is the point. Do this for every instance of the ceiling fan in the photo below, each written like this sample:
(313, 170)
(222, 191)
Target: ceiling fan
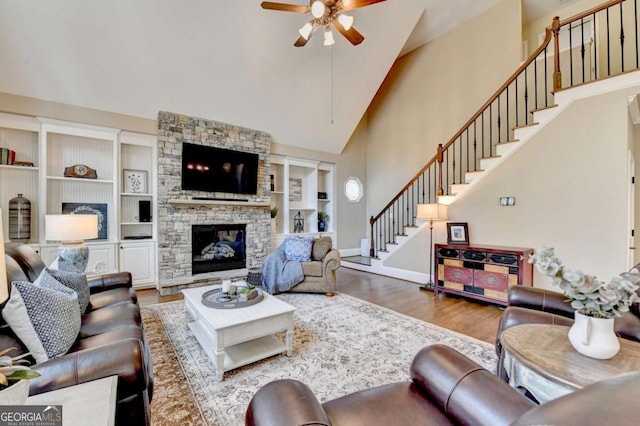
(326, 13)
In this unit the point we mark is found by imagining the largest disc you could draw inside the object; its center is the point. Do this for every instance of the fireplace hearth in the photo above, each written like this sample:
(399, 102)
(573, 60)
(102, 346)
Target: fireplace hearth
(217, 248)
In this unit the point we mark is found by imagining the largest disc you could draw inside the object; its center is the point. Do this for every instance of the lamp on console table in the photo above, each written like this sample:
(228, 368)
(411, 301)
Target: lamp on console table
(71, 230)
(431, 212)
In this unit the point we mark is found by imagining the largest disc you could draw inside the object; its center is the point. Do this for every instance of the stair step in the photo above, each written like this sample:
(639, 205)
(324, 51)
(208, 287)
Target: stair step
(458, 188)
(505, 147)
(522, 132)
(542, 114)
(447, 199)
(488, 162)
(550, 107)
(524, 126)
(471, 176)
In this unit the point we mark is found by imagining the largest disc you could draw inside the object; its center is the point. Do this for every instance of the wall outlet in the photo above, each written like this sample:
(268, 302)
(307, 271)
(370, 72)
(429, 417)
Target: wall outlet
(507, 201)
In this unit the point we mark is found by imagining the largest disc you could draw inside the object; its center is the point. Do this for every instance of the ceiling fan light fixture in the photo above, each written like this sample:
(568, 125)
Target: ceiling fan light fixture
(305, 31)
(346, 21)
(328, 37)
(318, 9)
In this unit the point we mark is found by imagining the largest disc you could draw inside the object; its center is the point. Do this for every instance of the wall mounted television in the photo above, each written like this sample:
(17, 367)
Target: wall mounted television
(210, 169)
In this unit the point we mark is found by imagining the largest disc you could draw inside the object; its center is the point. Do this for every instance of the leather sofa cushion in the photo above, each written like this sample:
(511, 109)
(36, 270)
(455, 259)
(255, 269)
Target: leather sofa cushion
(392, 404)
(108, 337)
(312, 269)
(111, 297)
(110, 318)
(320, 248)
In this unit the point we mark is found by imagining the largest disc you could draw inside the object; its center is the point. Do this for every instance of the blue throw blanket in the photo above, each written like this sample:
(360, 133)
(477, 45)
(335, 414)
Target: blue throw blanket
(280, 274)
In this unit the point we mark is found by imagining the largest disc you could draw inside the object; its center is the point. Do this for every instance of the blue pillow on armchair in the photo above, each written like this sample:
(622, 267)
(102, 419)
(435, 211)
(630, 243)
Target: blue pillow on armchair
(298, 248)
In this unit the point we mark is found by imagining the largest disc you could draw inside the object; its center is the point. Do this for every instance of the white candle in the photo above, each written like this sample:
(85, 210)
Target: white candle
(226, 286)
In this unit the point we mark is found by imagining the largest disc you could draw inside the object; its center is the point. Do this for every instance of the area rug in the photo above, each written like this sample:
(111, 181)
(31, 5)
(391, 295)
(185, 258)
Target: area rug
(341, 345)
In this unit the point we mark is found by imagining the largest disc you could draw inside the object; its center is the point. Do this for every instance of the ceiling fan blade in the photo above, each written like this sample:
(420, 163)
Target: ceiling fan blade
(351, 34)
(284, 7)
(355, 4)
(301, 41)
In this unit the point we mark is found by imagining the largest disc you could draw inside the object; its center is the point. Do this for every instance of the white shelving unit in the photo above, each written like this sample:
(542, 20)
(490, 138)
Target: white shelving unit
(297, 182)
(21, 135)
(53, 145)
(138, 239)
(64, 144)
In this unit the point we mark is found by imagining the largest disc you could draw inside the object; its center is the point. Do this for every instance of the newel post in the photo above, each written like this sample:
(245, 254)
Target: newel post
(440, 159)
(372, 250)
(557, 75)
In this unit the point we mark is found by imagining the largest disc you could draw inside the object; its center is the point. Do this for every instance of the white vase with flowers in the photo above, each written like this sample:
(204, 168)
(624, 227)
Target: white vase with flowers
(596, 303)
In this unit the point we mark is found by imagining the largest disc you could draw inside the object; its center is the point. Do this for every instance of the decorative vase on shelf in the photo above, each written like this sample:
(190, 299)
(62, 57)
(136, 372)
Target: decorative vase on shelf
(19, 219)
(594, 337)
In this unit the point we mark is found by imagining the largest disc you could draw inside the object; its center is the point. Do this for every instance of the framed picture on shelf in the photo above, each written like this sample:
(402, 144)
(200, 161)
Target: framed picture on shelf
(295, 189)
(99, 209)
(457, 233)
(135, 181)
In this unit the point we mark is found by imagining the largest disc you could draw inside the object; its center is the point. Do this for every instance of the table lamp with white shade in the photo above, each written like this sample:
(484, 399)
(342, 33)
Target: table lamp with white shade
(431, 212)
(71, 230)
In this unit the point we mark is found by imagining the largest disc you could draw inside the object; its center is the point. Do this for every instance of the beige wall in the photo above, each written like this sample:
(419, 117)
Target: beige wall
(432, 91)
(531, 30)
(47, 109)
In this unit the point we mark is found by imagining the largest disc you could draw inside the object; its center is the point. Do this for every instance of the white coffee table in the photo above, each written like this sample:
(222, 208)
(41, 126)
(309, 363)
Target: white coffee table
(236, 337)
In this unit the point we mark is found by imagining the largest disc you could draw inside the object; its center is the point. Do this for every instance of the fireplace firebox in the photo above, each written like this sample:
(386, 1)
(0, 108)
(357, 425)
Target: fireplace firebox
(217, 248)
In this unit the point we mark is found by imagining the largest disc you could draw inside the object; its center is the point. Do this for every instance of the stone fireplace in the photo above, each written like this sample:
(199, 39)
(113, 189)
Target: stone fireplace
(179, 210)
(217, 248)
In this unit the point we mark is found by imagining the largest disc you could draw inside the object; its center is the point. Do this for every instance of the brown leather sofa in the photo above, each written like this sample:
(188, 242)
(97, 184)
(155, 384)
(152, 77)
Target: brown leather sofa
(111, 340)
(446, 388)
(530, 305)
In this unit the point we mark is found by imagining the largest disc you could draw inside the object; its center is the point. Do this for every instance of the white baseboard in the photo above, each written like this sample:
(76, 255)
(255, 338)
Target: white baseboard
(350, 252)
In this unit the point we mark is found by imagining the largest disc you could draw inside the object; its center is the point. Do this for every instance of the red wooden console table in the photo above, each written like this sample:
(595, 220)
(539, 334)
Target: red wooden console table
(481, 272)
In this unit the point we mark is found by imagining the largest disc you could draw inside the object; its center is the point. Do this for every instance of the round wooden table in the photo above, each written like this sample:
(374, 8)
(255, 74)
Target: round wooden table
(540, 358)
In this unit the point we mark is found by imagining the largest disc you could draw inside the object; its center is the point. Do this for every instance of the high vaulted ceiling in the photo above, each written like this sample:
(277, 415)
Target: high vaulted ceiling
(226, 60)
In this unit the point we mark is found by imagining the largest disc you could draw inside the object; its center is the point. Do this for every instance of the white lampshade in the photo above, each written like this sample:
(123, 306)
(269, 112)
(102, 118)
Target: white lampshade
(70, 227)
(328, 37)
(432, 212)
(4, 291)
(305, 31)
(346, 21)
(318, 9)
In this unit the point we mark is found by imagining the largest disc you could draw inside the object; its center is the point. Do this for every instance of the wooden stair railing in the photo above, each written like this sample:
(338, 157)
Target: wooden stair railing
(529, 89)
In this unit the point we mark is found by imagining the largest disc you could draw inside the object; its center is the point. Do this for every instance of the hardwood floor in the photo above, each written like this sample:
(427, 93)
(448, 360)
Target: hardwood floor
(472, 318)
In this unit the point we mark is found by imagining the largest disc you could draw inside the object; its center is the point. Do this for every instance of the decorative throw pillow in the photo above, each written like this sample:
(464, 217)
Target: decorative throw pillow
(76, 281)
(47, 320)
(321, 247)
(298, 248)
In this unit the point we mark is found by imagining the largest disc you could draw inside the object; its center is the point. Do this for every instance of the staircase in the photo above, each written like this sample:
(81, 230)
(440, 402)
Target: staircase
(538, 91)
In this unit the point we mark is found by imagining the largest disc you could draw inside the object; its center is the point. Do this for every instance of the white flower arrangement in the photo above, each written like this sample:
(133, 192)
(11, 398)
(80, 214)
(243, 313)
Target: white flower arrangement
(13, 369)
(588, 295)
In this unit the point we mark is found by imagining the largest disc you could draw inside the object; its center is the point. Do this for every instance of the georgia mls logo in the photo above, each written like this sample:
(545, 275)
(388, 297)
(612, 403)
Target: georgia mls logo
(31, 415)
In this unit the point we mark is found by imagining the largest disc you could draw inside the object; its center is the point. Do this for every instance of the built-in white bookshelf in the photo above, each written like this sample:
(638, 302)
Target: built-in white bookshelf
(297, 183)
(48, 147)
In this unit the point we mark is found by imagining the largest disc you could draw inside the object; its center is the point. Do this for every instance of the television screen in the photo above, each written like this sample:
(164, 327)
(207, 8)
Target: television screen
(205, 168)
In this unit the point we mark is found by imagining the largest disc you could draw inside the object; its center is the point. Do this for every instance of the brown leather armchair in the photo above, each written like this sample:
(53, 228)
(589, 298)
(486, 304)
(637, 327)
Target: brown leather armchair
(530, 305)
(446, 388)
(111, 340)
